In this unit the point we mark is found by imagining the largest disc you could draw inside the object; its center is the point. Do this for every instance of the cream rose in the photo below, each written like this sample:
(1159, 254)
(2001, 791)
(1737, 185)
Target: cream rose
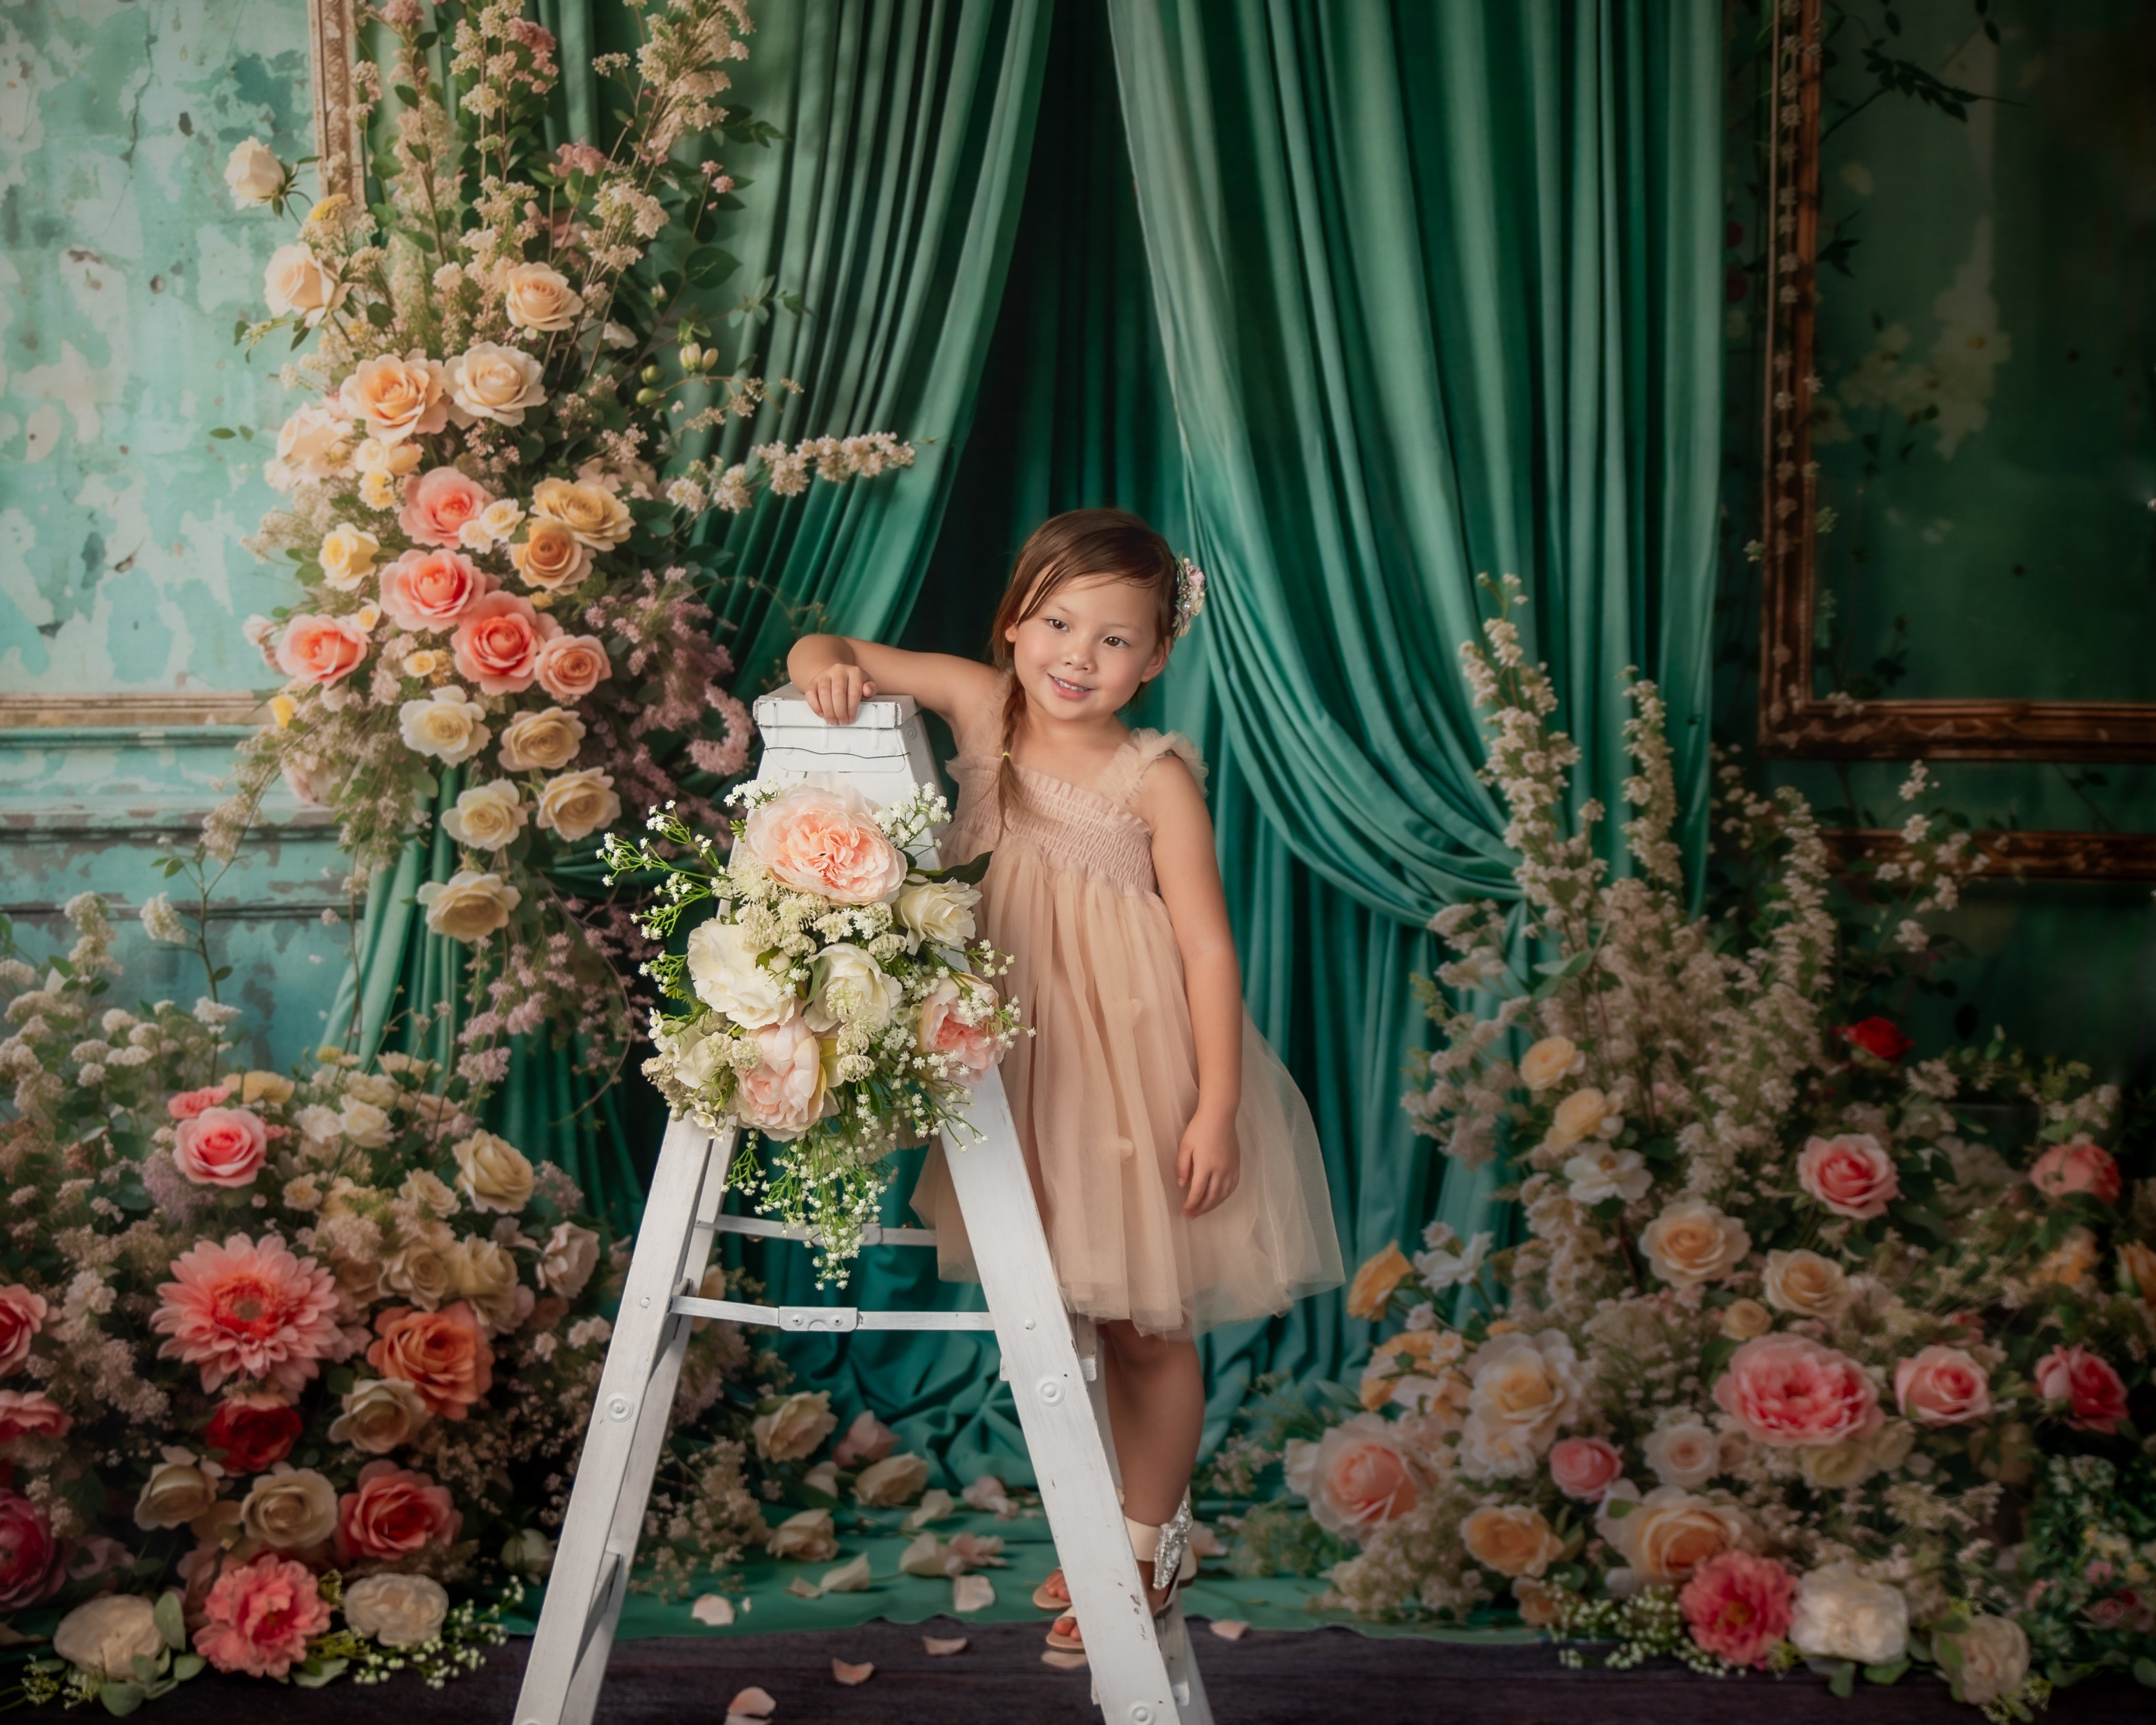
(469, 906)
(1522, 1389)
(806, 1537)
(576, 804)
(538, 298)
(487, 817)
(365, 1124)
(311, 444)
(1585, 1113)
(1685, 1453)
(567, 1259)
(1551, 1061)
(1743, 1319)
(1511, 1538)
(793, 1431)
(483, 1275)
(107, 1634)
(177, 1491)
(724, 971)
(1671, 1531)
(938, 910)
(444, 725)
(420, 1268)
(492, 1173)
(1839, 1615)
(1993, 1662)
(488, 381)
(297, 280)
(1692, 1242)
(491, 524)
(1805, 1284)
(290, 1508)
(253, 174)
(596, 516)
(541, 742)
(347, 557)
(394, 1609)
(896, 1479)
(397, 398)
(380, 1414)
(849, 987)
(550, 557)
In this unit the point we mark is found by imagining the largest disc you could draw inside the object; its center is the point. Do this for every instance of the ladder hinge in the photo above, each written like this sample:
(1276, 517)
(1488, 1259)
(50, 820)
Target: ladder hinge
(819, 1319)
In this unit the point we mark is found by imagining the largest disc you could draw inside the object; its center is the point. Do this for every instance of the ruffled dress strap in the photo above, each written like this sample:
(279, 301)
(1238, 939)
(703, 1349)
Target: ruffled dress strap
(1126, 776)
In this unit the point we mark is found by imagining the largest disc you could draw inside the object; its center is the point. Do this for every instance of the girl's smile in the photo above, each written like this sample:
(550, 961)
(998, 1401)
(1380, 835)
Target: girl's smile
(1088, 650)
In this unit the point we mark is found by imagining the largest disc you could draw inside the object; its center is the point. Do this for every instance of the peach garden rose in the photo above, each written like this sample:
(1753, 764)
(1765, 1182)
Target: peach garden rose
(321, 650)
(1852, 1175)
(824, 840)
(396, 399)
(498, 641)
(440, 503)
(570, 667)
(1942, 1386)
(427, 591)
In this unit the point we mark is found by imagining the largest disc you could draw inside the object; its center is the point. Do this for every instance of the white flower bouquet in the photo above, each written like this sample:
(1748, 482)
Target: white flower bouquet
(835, 1001)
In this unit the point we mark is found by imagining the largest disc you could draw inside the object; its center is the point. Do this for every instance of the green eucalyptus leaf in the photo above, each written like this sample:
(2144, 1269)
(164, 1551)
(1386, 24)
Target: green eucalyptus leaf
(171, 1624)
(120, 1699)
(1843, 1683)
(1885, 1673)
(187, 1664)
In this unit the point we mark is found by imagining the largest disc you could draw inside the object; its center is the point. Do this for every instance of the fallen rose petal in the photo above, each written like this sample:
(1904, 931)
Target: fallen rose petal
(714, 1609)
(1064, 1662)
(851, 1673)
(940, 1648)
(803, 1589)
(1228, 1629)
(848, 1578)
(972, 1592)
(934, 1505)
(975, 1551)
(755, 1703)
(924, 1556)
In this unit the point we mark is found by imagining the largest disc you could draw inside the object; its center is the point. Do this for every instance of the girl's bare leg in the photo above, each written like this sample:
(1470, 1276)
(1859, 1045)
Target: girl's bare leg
(1156, 1409)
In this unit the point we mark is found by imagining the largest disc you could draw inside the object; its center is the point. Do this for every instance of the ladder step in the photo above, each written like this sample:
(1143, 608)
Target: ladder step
(833, 1320)
(873, 1234)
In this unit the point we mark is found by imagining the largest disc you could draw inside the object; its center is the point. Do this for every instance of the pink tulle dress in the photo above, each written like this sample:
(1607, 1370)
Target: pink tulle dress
(1103, 1088)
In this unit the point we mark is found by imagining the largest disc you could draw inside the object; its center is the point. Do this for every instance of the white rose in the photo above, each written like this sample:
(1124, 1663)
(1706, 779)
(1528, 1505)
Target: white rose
(896, 1479)
(469, 906)
(1995, 1659)
(576, 804)
(420, 1268)
(1692, 1242)
(566, 1260)
(542, 741)
(396, 1610)
(319, 1123)
(297, 281)
(538, 298)
(697, 1052)
(1602, 1172)
(1686, 1453)
(290, 1508)
(492, 1173)
(444, 725)
(254, 173)
(1585, 1113)
(723, 970)
(364, 1124)
(379, 1415)
(848, 986)
(1552, 1059)
(1841, 1615)
(487, 817)
(490, 382)
(347, 557)
(107, 1636)
(176, 1492)
(939, 910)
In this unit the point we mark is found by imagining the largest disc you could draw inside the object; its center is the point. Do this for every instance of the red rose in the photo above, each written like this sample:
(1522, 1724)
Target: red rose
(30, 1567)
(394, 1513)
(255, 1431)
(1878, 1037)
(2094, 1393)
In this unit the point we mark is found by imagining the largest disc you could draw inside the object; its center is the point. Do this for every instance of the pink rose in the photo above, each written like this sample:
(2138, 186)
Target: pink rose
(2078, 1166)
(825, 841)
(221, 1146)
(1360, 1479)
(22, 1315)
(1786, 1389)
(868, 1439)
(785, 1095)
(1738, 1606)
(321, 650)
(432, 589)
(30, 1567)
(188, 1103)
(570, 667)
(393, 1513)
(259, 1616)
(497, 642)
(1584, 1467)
(438, 503)
(1852, 1175)
(1942, 1386)
(2094, 1393)
(31, 1413)
(970, 1050)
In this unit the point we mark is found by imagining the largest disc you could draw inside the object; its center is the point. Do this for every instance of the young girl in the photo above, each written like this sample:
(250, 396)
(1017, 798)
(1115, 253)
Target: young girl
(1175, 1163)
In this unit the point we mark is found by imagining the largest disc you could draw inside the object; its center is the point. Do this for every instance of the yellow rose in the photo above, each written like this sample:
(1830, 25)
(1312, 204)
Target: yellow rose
(469, 906)
(484, 1275)
(273, 1088)
(491, 524)
(1372, 1291)
(2136, 1263)
(596, 516)
(1670, 1533)
(1806, 1284)
(444, 724)
(1584, 1113)
(1554, 1058)
(542, 741)
(492, 1173)
(347, 557)
(538, 298)
(386, 461)
(2071, 1263)
(290, 1508)
(1692, 1242)
(1512, 1538)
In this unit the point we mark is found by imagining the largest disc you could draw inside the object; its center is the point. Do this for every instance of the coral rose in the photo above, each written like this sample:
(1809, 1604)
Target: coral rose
(1942, 1386)
(1360, 1477)
(1852, 1175)
(259, 1617)
(537, 298)
(393, 1512)
(497, 642)
(188, 1103)
(31, 1413)
(1511, 1538)
(31, 1569)
(22, 1315)
(2077, 1166)
(955, 1025)
(1692, 1242)
(427, 590)
(550, 557)
(1670, 1532)
(1788, 1390)
(1584, 1467)
(575, 805)
(489, 381)
(442, 1355)
(824, 840)
(397, 398)
(221, 1146)
(438, 504)
(596, 516)
(249, 1309)
(570, 667)
(252, 1431)
(1881, 1037)
(1737, 1606)
(1372, 1289)
(2094, 1393)
(322, 650)
(868, 1439)
(542, 742)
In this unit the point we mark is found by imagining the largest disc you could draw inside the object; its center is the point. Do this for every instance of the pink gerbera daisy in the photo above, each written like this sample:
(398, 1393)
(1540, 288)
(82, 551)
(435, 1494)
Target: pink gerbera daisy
(249, 1309)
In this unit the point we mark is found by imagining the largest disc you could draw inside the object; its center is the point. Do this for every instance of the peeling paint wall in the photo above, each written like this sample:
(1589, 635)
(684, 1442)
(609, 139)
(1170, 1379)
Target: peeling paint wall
(124, 266)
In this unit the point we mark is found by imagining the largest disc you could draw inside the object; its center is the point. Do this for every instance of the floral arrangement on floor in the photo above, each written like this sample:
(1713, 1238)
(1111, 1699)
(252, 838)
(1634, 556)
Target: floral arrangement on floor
(503, 617)
(1814, 1350)
(832, 1006)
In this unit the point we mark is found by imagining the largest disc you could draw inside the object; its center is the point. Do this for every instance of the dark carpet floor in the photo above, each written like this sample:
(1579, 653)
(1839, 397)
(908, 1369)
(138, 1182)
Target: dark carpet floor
(1267, 1678)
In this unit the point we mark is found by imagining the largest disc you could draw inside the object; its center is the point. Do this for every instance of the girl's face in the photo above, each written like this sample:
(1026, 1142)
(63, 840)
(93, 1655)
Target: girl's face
(1087, 651)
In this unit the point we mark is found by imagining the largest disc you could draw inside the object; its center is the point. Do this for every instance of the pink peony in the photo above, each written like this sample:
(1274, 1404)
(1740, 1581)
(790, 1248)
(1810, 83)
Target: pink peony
(394, 1513)
(1584, 1467)
(259, 1615)
(824, 840)
(188, 1103)
(221, 1146)
(570, 667)
(1786, 1389)
(30, 1566)
(1738, 1606)
(438, 503)
(1852, 1175)
(442, 1354)
(31, 1413)
(22, 1315)
(2079, 1166)
(249, 1309)
(2094, 1393)
(1942, 1386)
(432, 589)
(321, 650)
(785, 1095)
(970, 1049)
(498, 641)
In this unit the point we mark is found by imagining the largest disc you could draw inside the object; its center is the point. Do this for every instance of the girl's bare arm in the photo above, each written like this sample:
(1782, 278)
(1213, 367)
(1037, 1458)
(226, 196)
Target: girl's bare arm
(834, 673)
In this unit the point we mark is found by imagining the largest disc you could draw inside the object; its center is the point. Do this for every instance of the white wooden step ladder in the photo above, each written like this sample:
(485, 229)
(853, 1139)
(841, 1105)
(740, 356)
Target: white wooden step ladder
(1141, 1676)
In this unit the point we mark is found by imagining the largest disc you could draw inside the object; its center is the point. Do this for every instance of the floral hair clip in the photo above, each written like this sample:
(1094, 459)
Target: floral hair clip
(1189, 595)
